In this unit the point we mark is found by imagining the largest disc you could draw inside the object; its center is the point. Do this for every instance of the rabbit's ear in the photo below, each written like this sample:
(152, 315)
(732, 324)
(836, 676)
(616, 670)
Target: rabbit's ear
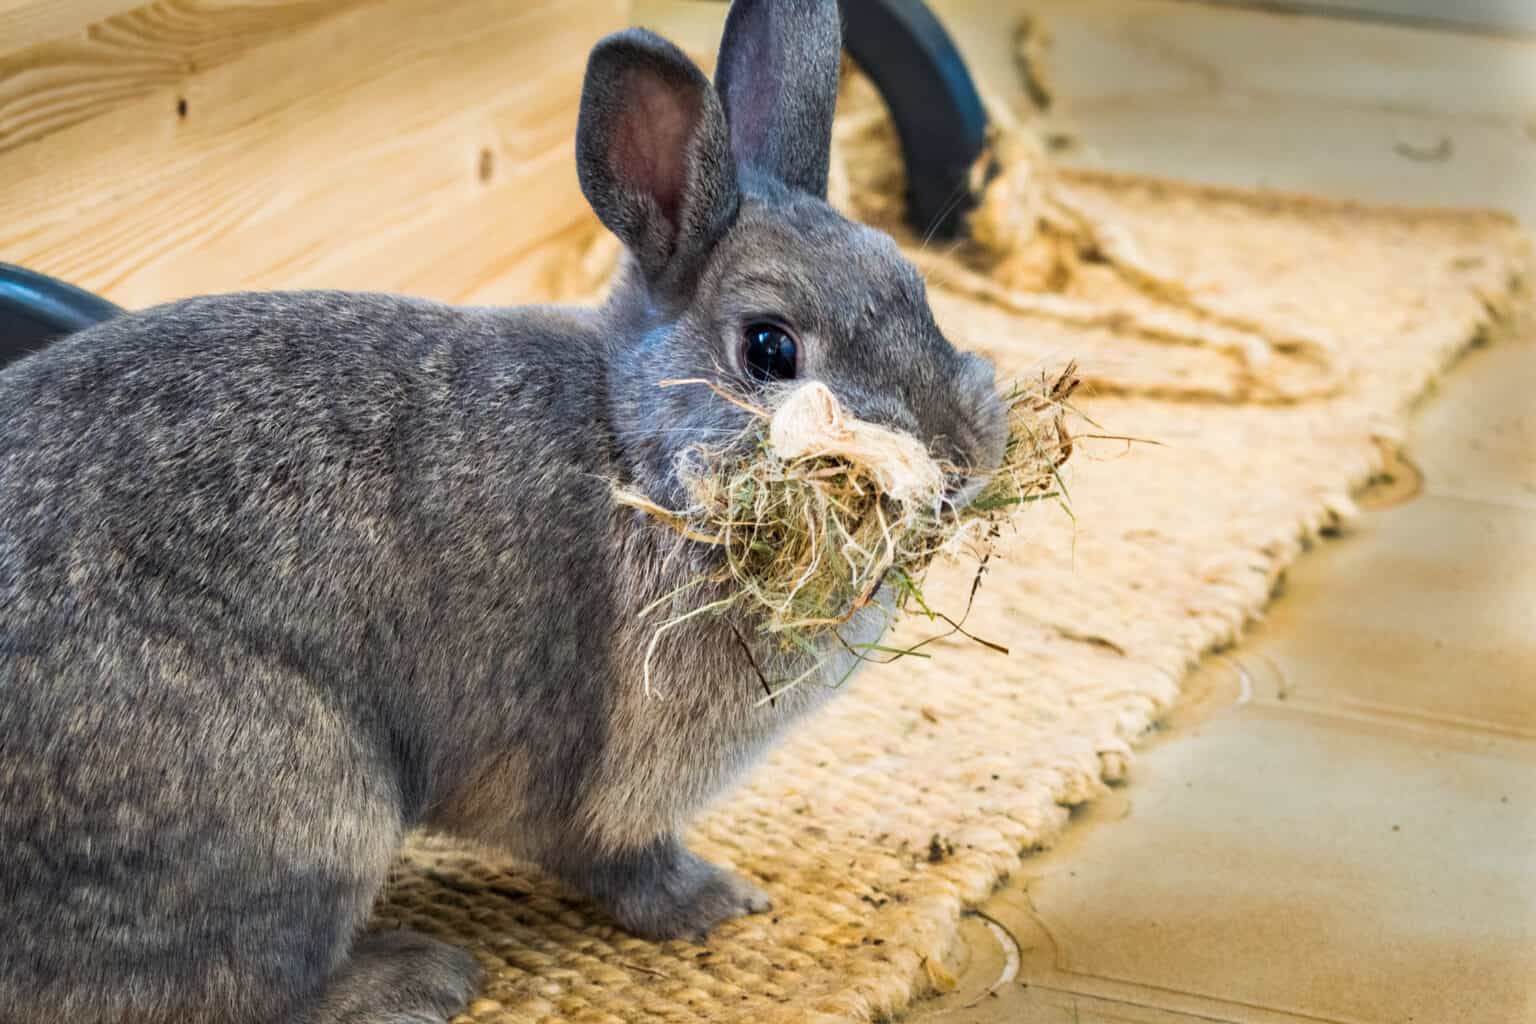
(653, 152)
(779, 64)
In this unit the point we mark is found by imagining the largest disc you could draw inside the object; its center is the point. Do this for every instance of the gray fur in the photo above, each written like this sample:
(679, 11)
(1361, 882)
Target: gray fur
(285, 576)
(654, 157)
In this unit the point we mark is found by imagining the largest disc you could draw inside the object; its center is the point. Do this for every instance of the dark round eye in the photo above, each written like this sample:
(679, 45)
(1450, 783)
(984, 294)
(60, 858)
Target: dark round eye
(769, 352)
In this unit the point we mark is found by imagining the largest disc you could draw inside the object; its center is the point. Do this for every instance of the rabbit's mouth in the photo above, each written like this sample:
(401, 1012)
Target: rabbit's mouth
(825, 508)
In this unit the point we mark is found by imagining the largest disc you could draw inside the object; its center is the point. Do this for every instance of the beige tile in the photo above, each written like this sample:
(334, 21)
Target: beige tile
(1427, 610)
(1477, 440)
(1278, 863)
(1342, 870)
(1040, 1005)
(1150, 52)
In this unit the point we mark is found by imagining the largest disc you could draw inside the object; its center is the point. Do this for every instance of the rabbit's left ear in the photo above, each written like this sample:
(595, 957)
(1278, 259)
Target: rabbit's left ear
(653, 153)
(777, 78)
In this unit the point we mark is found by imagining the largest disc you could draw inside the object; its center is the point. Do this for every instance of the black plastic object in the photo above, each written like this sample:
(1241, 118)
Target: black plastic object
(35, 309)
(904, 50)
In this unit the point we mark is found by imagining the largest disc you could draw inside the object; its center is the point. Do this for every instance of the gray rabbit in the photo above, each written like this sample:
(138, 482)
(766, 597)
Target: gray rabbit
(286, 576)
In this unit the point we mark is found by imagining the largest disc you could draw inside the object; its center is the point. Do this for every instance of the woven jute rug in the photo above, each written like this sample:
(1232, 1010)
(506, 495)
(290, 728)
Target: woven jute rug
(916, 792)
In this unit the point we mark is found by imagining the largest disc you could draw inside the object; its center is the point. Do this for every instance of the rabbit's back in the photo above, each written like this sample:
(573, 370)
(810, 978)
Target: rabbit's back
(271, 455)
(270, 467)
(225, 414)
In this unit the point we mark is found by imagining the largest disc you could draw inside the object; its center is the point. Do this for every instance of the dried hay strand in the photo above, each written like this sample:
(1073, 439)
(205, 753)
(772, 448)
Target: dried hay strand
(812, 510)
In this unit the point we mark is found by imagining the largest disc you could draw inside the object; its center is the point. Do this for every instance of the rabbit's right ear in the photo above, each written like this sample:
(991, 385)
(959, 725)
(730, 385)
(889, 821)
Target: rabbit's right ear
(653, 153)
(779, 65)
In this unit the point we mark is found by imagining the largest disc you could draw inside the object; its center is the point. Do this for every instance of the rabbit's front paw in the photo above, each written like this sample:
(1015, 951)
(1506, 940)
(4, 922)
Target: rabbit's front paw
(669, 892)
(724, 896)
(690, 907)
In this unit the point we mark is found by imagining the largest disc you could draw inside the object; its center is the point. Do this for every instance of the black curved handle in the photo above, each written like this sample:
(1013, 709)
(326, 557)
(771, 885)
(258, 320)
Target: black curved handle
(35, 309)
(939, 117)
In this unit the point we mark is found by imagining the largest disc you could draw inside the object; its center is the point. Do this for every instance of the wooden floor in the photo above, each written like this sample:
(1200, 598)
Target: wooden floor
(155, 149)
(1340, 825)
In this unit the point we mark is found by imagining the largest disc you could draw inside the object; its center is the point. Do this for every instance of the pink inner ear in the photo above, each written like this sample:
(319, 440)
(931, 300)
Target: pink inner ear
(649, 150)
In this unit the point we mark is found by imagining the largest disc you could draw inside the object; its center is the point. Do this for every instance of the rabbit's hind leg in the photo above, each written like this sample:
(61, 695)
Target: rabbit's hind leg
(185, 837)
(399, 977)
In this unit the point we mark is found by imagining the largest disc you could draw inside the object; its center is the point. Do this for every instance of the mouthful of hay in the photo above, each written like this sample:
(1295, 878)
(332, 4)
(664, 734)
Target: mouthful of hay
(812, 510)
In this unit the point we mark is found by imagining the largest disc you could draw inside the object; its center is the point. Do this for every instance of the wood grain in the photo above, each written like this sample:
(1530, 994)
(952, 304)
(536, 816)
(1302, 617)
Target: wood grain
(399, 145)
(25, 23)
(61, 82)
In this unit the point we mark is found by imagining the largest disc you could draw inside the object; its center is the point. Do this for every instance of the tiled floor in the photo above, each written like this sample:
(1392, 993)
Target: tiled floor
(1340, 824)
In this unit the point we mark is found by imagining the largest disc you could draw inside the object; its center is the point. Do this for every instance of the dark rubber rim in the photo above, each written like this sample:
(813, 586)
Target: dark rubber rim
(938, 113)
(35, 309)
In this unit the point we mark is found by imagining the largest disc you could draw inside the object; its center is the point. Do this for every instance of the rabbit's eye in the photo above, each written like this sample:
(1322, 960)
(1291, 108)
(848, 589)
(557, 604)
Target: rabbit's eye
(769, 352)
